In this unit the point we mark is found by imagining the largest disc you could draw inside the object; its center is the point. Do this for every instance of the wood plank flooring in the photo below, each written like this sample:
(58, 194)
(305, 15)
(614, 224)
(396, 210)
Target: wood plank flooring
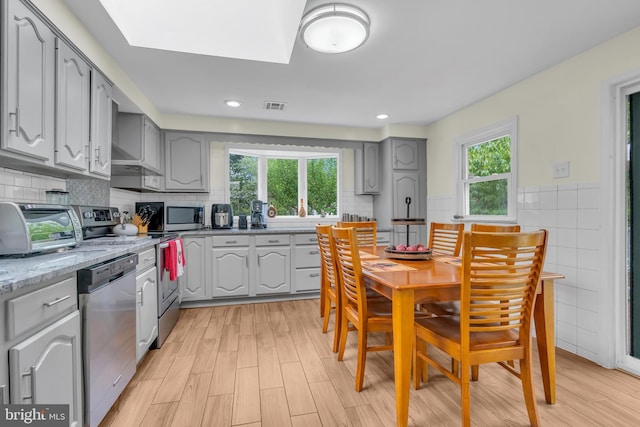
(269, 365)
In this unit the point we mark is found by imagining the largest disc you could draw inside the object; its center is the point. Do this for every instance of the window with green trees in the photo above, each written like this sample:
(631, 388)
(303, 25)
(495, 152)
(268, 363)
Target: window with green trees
(284, 178)
(487, 185)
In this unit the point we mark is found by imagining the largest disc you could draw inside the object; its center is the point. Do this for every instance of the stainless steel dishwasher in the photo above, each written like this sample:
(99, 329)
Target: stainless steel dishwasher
(107, 300)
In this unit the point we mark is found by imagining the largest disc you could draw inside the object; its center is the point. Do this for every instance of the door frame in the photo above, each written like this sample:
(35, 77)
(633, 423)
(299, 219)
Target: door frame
(612, 349)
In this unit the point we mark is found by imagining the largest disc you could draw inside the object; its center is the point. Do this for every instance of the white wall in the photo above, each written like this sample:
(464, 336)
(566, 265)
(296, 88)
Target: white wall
(558, 120)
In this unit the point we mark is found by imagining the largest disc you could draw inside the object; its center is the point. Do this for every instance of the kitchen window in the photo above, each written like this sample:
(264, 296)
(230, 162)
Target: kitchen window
(284, 178)
(487, 171)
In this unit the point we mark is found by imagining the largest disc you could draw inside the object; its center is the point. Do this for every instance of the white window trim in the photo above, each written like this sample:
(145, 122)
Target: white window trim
(509, 127)
(284, 152)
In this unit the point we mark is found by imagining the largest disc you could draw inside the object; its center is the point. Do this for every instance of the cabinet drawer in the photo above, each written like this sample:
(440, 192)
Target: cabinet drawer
(383, 238)
(307, 279)
(307, 256)
(272, 240)
(306, 239)
(146, 259)
(224, 241)
(39, 308)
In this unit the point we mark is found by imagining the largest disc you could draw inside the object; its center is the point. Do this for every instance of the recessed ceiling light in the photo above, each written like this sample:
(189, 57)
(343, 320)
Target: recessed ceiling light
(232, 103)
(382, 116)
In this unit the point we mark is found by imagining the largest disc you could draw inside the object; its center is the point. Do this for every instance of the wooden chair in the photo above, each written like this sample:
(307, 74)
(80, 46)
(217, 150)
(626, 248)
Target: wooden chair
(330, 288)
(367, 231)
(495, 228)
(364, 315)
(445, 238)
(500, 274)
(452, 308)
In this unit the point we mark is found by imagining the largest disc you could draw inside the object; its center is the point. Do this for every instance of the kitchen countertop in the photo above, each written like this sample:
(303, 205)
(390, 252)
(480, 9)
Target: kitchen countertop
(21, 272)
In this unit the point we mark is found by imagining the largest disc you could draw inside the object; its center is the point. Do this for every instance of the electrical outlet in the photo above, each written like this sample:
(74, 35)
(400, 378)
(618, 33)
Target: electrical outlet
(561, 169)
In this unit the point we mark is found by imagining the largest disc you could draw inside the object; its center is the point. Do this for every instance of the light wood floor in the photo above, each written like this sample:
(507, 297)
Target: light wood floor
(270, 365)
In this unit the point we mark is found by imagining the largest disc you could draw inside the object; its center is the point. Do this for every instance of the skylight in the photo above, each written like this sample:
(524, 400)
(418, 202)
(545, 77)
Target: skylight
(258, 30)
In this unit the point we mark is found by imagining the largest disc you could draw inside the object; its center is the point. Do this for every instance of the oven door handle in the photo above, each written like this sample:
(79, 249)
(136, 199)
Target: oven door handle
(163, 245)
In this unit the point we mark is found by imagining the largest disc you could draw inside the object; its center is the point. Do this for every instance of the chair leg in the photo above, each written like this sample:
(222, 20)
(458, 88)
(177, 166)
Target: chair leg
(326, 315)
(344, 328)
(528, 388)
(337, 328)
(362, 358)
(455, 367)
(418, 363)
(475, 372)
(465, 395)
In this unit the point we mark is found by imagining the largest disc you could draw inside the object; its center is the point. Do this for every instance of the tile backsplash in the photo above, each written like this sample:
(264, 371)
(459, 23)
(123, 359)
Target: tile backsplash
(24, 187)
(91, 192)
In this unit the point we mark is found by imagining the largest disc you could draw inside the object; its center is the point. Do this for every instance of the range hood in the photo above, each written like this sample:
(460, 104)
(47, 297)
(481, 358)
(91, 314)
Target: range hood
(133, 168)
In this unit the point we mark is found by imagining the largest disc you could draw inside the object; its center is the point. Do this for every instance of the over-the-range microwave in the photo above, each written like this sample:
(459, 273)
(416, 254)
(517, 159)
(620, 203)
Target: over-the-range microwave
(174, 216)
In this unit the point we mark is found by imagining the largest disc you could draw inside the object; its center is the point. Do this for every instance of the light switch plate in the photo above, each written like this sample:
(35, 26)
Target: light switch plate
(561, 169)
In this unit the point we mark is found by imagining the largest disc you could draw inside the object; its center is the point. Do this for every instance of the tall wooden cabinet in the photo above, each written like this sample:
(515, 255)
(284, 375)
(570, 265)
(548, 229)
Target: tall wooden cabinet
(403, 171)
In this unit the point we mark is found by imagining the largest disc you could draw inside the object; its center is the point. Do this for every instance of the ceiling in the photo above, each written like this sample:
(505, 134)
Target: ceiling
(424, 59)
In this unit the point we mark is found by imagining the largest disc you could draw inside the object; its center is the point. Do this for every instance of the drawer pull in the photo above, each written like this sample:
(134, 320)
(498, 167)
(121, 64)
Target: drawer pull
(117, 380)
(314, 274)
(230, 242)
(314, 252)
(57, 301)
(274, 241)
(314, 239)
(150, 259)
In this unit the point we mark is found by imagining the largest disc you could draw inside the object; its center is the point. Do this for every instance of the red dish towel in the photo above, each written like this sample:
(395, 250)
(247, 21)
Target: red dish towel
(174, 260)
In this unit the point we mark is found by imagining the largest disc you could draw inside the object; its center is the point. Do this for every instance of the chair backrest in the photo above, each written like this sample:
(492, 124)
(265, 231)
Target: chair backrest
(328, 261)
(347, 254)
(366, 231)
(500, 274)
(495, 228)
(445, 238)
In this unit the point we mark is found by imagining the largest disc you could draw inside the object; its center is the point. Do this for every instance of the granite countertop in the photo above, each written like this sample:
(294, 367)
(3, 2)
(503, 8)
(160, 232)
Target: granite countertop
(20, 272)
(252, 231)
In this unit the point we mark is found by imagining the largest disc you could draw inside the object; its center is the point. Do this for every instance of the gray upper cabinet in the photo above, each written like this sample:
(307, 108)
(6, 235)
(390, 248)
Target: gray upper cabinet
(29, 77)
(404, 154)
(101, 100)
(73, 85)
(367, 169)
(186, 162)
(137, 146)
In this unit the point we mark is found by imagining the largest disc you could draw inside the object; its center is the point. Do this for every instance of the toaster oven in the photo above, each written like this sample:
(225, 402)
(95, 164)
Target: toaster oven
(30, 228)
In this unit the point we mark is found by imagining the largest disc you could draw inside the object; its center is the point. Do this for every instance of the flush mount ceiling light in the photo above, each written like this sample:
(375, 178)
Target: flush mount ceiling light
(334, 28)
(232, 103)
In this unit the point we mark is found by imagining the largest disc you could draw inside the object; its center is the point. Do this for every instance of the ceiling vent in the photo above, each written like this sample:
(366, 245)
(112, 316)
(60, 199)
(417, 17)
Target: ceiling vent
(278, 106)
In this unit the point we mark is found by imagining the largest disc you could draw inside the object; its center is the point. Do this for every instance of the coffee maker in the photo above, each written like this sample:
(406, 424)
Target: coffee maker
(221, 216)
(258, 214)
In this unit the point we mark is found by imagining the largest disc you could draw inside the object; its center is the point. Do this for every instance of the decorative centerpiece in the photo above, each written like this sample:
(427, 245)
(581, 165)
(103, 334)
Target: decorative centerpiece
(402, 251)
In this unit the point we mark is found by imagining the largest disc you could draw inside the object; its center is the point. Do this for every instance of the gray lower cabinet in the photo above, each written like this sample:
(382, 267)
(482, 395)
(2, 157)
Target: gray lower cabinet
(230, 272)
(41, 360)
(186, 162)
(273, 270)
(28, 120)
(307, 269)
(146, 302)
(46, 368)
(193, 283)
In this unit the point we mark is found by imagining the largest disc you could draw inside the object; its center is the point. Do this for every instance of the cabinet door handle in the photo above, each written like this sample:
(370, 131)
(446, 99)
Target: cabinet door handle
(163, 245)
(97, 160)
(32, 374)
(2, 388)
(246, 261)
(17, 115)
(117, 380)
(56, 301)
(140, 294)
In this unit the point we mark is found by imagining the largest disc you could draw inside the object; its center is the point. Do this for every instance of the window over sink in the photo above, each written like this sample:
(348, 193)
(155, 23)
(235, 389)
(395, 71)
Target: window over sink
(285, 177)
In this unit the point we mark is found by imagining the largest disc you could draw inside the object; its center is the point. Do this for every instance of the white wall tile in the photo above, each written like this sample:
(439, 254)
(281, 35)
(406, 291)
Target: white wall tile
(566, 294)
(567, 256)
(567, 314)
(587, 300)
(548, 200)
(590, 280)
(588, 320)
(589, 239)
(587, 340)
(567, 332)
(568, 218)
(588, 198)
(567, 237)
(589, 219)
(548, 219)
(568, 199)
(589, 259)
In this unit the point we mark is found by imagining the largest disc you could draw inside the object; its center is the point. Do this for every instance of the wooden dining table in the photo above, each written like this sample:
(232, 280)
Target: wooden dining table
(438, 279)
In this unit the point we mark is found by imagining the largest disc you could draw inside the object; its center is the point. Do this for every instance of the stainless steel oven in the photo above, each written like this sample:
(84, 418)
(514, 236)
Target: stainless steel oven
(168, 304)
(173, 216)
